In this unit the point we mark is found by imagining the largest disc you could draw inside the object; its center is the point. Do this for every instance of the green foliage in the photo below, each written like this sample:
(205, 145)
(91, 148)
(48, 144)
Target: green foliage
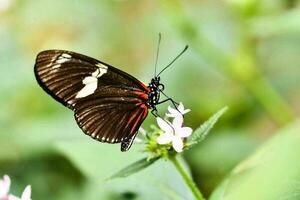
(270, 173)
(99, 162)
(200, 133)
(134, 168)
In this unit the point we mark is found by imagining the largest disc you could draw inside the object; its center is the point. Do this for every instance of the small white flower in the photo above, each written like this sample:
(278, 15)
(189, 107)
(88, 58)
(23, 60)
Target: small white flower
(4, 187)
(26, 195)
(173, 133)
(12, 197)
(179, 111)
(4, 191)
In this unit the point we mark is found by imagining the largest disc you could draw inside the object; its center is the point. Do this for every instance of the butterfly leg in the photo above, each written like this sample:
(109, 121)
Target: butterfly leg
(169, 99)
(175, 104)
(155, 112)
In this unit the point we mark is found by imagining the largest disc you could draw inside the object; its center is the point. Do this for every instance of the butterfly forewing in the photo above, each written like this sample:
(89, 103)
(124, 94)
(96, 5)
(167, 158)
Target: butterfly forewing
(109, 104)
(61, 74)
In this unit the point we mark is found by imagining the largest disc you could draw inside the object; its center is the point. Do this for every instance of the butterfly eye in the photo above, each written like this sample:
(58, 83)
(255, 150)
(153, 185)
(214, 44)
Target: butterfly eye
(161, 87)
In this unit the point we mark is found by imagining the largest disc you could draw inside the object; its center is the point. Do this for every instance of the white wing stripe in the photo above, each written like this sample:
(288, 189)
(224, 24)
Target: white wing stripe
(91, 82)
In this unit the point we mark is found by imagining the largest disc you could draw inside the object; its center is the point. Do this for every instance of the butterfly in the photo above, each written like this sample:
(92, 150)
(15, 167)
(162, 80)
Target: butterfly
(109, 104)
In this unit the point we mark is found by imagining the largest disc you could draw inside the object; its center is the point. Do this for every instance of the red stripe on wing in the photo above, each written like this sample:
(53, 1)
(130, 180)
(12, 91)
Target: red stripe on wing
(142, 95)
(140, 118)
(145, 87)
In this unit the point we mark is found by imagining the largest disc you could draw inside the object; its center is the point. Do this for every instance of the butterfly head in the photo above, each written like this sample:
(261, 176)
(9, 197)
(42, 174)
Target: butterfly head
(155, 84)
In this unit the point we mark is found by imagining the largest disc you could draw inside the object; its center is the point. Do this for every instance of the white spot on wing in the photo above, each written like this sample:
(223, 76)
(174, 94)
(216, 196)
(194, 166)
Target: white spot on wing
(89, 88)
(100, 65)
(102, 71)
(102, 68)
(66, 55)
(95, 73)
(91, 82)
(62, 60)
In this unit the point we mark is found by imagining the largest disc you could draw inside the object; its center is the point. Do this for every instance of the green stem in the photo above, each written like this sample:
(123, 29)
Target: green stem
(190, 183)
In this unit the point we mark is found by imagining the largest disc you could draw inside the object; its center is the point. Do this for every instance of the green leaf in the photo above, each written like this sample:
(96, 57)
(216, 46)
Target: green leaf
(105, 158)
(98, 161)
(134, 168)
(270, 173)
(201, 132)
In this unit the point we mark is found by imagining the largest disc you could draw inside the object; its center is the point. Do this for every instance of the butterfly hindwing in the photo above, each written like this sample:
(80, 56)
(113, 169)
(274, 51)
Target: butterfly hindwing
(111, 119)
(109, 104)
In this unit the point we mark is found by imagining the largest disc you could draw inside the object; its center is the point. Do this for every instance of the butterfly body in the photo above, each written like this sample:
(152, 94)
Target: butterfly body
(109, 105)
(154, 93)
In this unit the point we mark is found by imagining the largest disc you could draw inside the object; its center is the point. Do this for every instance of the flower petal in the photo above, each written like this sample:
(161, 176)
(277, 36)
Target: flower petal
(172, 110)
(164, 125)
(180, 107)
(184, 132)
(182, 110)
(12, 197)
(4, 186)
(164, 138)
(177, 144)
(171, 115)
(26, 193)
(185, 111)
(177, 121)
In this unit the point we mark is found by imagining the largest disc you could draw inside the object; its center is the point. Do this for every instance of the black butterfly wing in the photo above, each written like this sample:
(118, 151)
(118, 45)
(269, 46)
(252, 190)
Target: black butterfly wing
(61, 74)
(109, 104)
(112, 117)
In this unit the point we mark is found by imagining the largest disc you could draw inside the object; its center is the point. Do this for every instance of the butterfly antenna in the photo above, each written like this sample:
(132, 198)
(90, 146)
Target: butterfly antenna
(185, 48)
(157, 52)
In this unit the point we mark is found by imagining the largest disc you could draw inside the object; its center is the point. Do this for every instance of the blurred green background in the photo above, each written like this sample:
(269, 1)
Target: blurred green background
(243, 53)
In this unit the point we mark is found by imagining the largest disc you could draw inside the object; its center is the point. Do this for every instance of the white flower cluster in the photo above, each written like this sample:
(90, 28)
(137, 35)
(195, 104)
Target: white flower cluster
(4, 190)
(174, 132)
